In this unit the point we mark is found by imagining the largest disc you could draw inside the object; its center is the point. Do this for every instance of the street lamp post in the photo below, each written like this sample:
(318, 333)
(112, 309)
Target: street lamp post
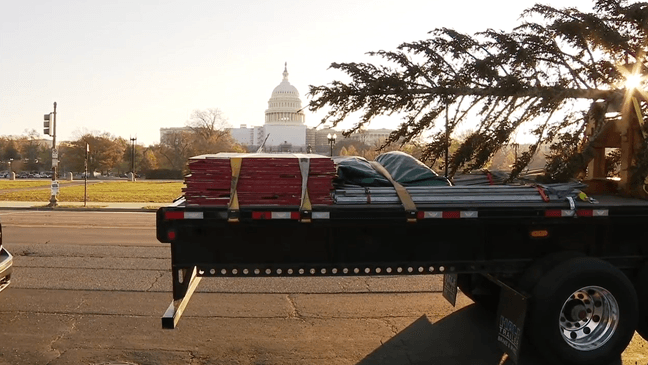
(331, 141)
(133, 139)
(85, 180)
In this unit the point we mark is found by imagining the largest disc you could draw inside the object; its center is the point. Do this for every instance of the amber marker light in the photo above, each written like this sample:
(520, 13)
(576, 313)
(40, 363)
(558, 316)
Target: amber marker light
(539, 233)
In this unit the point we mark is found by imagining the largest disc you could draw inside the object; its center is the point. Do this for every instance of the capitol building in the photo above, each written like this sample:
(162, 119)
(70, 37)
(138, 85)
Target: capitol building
(285, 129)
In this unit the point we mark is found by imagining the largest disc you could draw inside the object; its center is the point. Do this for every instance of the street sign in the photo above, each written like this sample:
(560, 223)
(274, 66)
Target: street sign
(55, 161)
(54, 153)
(55, 187)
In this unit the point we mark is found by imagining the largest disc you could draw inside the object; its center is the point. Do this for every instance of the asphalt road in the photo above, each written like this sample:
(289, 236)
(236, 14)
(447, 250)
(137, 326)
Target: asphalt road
(90, 288)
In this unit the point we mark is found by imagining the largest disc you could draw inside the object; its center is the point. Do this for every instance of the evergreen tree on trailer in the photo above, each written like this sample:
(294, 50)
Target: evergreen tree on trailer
(536, 75)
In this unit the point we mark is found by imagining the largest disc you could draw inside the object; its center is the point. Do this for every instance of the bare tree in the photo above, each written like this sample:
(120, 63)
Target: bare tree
(208, 124)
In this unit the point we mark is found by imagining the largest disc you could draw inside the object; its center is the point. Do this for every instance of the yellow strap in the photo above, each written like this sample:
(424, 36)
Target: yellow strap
(233, 205)
(306, 207)
(402, 193)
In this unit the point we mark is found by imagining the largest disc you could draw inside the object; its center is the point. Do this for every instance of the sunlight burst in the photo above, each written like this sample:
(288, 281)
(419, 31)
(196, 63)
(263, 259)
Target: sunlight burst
(633, 81)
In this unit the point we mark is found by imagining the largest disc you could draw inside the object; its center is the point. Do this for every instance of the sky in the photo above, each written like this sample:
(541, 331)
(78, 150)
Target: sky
(132, 67)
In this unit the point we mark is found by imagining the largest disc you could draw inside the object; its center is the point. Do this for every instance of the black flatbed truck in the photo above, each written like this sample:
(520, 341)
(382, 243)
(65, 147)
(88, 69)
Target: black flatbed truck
(572, 274)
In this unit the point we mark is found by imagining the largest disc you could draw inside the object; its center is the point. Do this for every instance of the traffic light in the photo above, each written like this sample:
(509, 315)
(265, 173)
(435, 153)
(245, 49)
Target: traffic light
(46, 125)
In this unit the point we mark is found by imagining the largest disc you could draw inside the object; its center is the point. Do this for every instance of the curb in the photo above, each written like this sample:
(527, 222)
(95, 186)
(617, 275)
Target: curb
(84, 209)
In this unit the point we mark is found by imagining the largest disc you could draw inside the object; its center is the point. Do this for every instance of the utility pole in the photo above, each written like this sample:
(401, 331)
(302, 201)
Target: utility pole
(51, 130)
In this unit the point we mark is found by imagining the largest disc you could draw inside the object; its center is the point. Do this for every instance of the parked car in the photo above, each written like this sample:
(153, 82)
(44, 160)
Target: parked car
(6, 264)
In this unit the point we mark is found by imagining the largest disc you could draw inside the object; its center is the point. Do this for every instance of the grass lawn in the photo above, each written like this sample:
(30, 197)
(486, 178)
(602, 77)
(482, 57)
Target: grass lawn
(17, 184)
(112, 191)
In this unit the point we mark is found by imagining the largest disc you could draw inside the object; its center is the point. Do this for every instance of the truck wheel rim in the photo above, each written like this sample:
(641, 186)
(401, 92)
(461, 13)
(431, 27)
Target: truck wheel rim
(589, 318)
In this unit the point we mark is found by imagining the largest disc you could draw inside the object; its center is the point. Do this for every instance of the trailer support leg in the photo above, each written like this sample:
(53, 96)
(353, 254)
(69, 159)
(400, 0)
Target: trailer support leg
(185, 282)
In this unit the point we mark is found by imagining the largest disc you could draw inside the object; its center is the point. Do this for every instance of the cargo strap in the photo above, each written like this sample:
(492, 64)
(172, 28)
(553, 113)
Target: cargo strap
(403, 194)
(542, 193)
(572, 204)
(305, 209)
(233, 206)
(490, 178)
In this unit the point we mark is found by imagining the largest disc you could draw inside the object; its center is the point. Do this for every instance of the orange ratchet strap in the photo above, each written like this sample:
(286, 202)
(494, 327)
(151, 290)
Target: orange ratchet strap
(544, 196)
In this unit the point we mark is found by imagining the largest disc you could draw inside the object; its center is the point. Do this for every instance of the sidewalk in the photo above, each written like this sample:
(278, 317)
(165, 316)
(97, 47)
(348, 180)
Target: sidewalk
(139, 207)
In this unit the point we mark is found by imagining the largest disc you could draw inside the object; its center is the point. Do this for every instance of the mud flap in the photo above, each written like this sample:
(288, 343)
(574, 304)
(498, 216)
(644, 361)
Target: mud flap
(511, 313)
(450, 288)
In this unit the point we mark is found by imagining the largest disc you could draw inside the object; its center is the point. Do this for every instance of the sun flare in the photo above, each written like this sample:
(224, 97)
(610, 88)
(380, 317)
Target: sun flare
(633, 81)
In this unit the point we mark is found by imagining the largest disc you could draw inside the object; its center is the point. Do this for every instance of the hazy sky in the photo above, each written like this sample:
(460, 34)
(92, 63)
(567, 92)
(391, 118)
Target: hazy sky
(132, 67)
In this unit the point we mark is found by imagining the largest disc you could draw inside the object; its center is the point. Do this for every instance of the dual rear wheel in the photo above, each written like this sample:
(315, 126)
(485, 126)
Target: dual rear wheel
(582, 311)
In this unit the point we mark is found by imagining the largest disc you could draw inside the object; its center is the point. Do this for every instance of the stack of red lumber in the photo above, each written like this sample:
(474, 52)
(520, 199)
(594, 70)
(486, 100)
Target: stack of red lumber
(264, 179)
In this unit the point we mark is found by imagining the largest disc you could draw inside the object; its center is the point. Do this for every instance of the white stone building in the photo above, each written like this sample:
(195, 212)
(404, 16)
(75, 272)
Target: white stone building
(371, 137)
(284, 125)
(286, 130)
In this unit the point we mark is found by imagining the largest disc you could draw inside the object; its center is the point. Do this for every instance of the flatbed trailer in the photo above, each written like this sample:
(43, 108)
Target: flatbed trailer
(573, 274)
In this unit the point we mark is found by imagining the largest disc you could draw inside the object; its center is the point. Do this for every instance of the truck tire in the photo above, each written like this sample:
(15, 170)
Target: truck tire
(480, 290)
(641, 285)
(541, 266)
(583, 311)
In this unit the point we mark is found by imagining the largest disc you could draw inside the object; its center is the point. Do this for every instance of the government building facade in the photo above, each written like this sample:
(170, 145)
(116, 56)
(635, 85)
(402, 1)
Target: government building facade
(285, 130)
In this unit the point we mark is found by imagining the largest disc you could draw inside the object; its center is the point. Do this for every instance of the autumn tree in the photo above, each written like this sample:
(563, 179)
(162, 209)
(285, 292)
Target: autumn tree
(176, 149)
(106, 151)
(550, 75)
(347, 144)
(144, 159)
(148, 160)
(9, 149)
(34, 153)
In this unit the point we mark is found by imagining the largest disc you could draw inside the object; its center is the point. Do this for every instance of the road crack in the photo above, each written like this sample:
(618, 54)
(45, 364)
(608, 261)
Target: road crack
(155, 281)
(60, 337)
(390, 325)
(194, 359)
(82, 302)
(294, 312)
